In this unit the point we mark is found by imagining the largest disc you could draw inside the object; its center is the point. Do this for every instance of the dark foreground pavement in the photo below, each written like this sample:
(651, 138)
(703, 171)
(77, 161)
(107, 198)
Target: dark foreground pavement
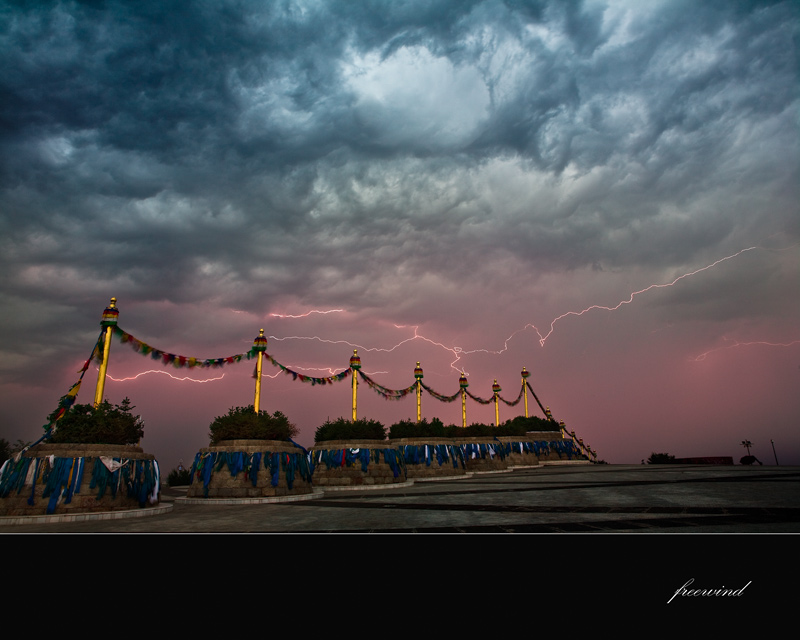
(547, 499)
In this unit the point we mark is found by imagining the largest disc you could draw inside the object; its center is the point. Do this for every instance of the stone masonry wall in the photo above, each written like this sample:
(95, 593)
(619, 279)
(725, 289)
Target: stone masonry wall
(85, 500)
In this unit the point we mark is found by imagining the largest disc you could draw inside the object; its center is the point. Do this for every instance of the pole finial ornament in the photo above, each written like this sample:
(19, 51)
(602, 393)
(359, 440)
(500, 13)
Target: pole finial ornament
(355, 361)
(418, 372)
(110, 314)
(260, 343)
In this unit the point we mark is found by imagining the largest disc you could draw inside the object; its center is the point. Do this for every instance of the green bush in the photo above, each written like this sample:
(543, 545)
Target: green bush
(479, 430)
(660, 458)
(341, 429)
(521, 425)
(436, 429)
(106, 424)
(179, 477)
(475, 430)
(243, 423)
(421, 429)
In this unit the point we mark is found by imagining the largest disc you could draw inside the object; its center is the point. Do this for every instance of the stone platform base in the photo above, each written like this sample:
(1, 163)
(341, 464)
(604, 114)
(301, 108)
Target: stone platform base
(430, 458)
(69, 479)
(483, 455)
(519, 452)
(242, 469)
(362, 463)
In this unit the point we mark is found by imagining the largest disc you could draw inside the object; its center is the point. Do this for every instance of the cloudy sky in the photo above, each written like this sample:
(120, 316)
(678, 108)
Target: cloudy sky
(477, 185)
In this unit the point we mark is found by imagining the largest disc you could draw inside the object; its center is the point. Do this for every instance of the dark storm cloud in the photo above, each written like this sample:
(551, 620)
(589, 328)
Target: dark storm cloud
(227, 148)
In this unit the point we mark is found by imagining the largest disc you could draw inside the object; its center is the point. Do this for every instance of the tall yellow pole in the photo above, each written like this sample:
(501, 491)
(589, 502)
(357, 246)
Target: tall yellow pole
(525, 374)
(496, 390)
(355, 365)
(418, 378)
(463, 383)
(109, 321)
(260, 347)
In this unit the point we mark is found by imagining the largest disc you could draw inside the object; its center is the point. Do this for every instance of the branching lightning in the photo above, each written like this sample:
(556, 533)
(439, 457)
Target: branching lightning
(454, 350)
(542, 340)
(459, 352)
(736, 343)
(166, 373)
(308, 313)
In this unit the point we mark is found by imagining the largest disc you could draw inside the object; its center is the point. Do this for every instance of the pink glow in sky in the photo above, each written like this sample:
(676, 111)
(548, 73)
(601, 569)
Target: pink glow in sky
(602, 192)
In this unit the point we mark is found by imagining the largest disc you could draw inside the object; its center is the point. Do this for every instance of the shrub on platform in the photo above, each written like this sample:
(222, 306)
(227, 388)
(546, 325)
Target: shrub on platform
(520, 425)
(341, 429)
(421, 429)
(479, 430)
(104, 424)
(243, 423)
(179, 478)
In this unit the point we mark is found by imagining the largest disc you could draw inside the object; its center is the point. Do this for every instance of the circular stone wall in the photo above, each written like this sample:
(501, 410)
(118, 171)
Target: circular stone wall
(551, 446)
(357, 463)
(78, 478)
(250, 469)
(430, 457)
(520, 451)
(482, 454)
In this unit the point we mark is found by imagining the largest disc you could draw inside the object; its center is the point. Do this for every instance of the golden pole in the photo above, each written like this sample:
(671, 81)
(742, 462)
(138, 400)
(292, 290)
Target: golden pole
(495, 390)
(525, 374)
(355, 365)
(418, 378)
(109, 321)
(463, 383)
(260, 347)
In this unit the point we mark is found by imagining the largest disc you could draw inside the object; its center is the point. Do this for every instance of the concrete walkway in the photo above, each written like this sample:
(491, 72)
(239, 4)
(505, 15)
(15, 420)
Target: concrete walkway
(545, 499)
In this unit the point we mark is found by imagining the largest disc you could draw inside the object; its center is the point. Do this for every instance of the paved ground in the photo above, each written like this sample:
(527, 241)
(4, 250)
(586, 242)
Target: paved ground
(548, 499)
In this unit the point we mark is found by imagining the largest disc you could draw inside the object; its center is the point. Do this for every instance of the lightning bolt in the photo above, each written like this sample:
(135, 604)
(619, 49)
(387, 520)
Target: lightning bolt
(166, 373)
(736, 343)
(542, 340)
(456, 351)
(459, 352)
(307, 313)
